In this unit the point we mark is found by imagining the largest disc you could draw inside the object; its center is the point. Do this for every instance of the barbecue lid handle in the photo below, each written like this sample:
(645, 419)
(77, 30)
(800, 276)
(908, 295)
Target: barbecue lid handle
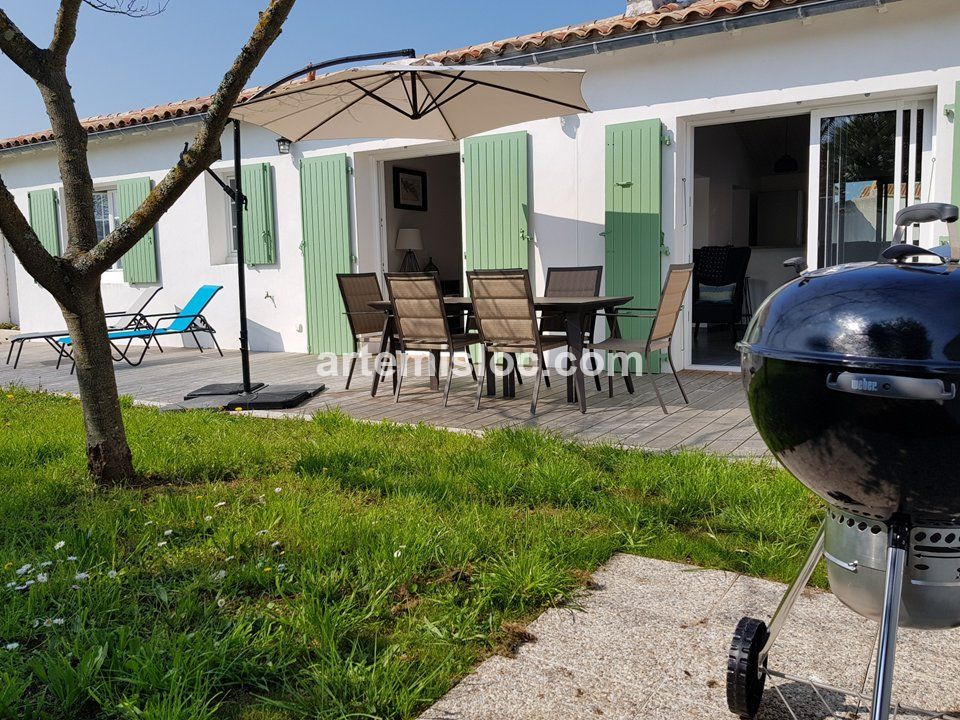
(891, 386)
(898, 252)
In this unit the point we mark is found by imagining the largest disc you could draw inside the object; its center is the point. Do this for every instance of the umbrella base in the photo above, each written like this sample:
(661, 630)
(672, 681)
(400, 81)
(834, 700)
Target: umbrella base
(266, 397)
(273, 397)
(221, 389)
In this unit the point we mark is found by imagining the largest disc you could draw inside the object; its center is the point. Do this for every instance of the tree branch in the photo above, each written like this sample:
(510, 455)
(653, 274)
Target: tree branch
(65, 30)
(131, 8)
(21, 49)
(27, 247)
(205, 148)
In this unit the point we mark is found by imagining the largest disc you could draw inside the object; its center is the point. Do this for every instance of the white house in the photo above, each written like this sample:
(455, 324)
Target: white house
(792, 127)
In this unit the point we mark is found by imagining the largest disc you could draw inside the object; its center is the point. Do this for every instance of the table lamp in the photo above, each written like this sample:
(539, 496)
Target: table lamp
(409, 239)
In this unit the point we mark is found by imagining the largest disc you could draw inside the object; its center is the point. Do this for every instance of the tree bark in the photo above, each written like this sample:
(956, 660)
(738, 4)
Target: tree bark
(108, 455)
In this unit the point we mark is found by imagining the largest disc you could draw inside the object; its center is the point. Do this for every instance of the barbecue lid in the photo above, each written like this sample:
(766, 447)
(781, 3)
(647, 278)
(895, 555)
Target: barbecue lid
(896, 314)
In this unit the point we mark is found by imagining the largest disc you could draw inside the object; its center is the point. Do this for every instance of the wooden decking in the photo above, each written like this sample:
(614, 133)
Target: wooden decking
(716, 420)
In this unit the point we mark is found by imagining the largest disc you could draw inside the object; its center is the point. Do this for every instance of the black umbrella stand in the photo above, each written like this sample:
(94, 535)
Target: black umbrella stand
(249, 395)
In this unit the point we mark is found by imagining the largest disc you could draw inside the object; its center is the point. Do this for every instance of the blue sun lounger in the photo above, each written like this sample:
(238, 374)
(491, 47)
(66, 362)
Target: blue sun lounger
(190, 321)
(131, 319)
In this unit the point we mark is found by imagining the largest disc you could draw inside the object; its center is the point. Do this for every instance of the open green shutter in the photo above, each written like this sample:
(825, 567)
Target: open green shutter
(259, 236)
(326, 250)
(44, 218)
(140, 262)
(955, 191)
(632, 221)
(497, 201)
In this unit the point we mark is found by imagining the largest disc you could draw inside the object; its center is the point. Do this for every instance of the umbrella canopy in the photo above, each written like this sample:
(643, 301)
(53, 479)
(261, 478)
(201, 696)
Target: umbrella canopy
(415, 99)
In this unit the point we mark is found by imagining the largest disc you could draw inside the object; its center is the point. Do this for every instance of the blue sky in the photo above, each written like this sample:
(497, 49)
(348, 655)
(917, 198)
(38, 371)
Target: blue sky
(119, 63)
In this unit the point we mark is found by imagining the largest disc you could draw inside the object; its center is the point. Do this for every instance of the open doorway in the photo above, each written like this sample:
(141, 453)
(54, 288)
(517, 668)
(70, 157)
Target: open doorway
(422, 225)
(749, 216)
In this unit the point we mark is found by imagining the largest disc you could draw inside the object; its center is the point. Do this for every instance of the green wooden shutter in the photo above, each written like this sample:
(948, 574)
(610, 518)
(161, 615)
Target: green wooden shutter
(140, 262)
(632, 220)
(497, 201)
(259, 236)
(326, 250)
(45, 219)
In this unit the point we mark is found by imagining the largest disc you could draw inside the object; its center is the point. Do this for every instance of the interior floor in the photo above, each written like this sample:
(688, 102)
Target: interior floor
(714, 345)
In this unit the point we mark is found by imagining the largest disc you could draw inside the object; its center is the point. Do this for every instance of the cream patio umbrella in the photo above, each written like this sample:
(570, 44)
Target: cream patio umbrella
(418, 99)
(414, 98)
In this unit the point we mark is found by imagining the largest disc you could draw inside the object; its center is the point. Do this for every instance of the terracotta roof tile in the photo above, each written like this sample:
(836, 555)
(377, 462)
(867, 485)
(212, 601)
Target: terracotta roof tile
(144, 116)
(668, 15)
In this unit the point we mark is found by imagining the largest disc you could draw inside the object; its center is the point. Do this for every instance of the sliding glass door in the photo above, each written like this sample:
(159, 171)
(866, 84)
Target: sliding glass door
(866, 164)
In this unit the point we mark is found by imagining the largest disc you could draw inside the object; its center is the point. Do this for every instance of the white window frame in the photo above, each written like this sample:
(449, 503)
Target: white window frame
(231, 241)
(115, 273)
(927, 104)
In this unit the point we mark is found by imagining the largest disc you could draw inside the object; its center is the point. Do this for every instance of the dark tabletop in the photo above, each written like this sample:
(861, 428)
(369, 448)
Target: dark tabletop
(560, 304)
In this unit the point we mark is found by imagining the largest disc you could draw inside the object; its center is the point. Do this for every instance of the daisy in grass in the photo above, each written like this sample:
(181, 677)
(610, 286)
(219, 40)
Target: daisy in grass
(59, 544)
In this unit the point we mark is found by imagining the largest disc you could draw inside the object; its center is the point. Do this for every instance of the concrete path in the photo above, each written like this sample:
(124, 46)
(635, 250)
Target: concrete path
(651, 643)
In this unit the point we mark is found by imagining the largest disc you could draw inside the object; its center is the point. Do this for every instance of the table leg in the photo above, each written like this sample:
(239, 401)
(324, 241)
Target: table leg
(509, 378)
(435, 369)
(385, 342)
(488, 370)
(613, 328)
(575, 323)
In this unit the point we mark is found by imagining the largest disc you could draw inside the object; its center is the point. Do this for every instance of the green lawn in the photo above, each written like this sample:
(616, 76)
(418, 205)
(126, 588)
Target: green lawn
(282, 569)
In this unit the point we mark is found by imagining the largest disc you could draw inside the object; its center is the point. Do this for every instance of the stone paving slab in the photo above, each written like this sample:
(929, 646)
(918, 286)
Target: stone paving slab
(651, 641)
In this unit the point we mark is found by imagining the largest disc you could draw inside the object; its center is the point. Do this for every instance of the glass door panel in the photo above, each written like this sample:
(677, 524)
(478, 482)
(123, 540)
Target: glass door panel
(858, 158)
(867, 165)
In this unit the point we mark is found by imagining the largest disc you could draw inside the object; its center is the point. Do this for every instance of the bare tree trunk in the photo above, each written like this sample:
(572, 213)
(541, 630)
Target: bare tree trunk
(74, 279)
(108, 455)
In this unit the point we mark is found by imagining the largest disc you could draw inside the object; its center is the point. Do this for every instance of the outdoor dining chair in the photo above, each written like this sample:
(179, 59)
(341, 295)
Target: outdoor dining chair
(664, 316)
(358, 290)
(572, 282)
(188, 321)
(133, 318)
(507, 321)
(422, 324)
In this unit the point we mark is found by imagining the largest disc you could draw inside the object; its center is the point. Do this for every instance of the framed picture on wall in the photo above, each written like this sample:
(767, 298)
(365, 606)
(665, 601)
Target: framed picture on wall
(409, 189)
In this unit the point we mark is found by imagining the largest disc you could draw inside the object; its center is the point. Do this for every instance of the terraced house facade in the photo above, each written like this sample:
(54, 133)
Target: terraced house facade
(766, 128)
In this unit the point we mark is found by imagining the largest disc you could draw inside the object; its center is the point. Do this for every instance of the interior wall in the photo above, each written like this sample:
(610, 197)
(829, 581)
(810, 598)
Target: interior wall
(439, 225)
(721, 157)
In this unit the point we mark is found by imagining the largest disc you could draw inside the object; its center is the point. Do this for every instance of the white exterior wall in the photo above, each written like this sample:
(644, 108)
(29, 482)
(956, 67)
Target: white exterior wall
(908, 50)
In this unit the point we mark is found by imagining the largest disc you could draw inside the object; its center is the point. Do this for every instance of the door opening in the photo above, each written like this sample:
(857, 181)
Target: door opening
(422, 223)
(749, 215)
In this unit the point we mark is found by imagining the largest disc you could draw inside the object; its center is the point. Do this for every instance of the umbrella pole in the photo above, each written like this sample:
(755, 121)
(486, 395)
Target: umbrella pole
(249, 395)
(240, 202)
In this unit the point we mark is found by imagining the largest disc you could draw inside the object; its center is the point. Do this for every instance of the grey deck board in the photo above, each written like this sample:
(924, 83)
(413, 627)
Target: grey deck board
(716, 420)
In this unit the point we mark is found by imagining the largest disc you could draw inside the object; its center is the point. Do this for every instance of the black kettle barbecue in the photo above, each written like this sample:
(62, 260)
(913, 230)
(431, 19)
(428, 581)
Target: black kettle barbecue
(852, 376)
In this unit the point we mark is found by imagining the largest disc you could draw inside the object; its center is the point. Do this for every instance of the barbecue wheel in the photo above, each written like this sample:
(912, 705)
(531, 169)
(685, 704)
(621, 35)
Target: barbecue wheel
(745, 676)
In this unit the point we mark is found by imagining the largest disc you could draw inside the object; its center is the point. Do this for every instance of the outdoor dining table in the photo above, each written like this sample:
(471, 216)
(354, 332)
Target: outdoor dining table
(574, 310)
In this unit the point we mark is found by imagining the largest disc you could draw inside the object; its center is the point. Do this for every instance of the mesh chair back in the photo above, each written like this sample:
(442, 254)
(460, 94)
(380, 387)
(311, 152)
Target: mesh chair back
(671, 301)
(201, 298)
(569, 282)
(573, 281)
(503, 307)
(358, 290)
(418, 308)
(143, 299)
